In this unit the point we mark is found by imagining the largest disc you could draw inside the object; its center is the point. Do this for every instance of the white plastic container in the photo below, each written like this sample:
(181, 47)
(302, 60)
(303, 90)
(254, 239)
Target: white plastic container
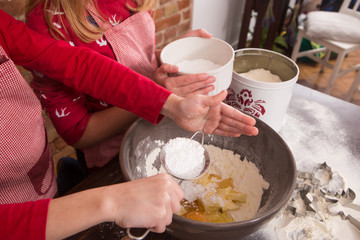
(268, 101)
(212, 49)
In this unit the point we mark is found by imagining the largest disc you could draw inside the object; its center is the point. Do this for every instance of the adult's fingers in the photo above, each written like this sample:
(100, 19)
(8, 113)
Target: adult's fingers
(174, 192)
(202, 91)
(189, 85)
(190, 79)
(197, 33)
(235, 128)
(225, 133)
(232, 113)
(166, 68)
(171, 200)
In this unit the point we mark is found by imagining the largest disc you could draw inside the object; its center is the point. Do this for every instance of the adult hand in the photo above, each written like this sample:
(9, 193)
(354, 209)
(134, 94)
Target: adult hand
(192, 33)
(209, 114)
(146, 203)
(184, 85)
(196, 33)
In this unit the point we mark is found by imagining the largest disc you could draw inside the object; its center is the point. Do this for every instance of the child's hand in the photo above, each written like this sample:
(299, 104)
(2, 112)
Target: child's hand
(196, 33)
(185, 85)
(209, 114)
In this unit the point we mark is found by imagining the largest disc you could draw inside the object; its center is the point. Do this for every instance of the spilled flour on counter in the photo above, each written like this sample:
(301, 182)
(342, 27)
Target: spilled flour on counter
(308, 215)
(327, 146)
(331, 147)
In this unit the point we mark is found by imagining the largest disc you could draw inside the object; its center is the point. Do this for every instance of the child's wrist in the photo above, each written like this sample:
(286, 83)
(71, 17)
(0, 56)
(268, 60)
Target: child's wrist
(170, 107)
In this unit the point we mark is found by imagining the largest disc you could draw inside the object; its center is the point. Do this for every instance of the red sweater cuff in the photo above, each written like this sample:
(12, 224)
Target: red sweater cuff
(27, 220)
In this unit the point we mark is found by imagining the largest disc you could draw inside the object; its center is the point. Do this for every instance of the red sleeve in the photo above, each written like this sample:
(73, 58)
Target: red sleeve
(55, 97)
(27, 220)
(106, 79)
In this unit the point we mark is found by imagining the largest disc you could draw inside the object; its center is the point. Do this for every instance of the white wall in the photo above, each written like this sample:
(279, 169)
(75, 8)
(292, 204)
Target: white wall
(222, 18)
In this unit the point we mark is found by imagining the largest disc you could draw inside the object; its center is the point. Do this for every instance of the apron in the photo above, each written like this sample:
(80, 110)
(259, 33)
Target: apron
(132, 41)
(133, 44)
(27, 172)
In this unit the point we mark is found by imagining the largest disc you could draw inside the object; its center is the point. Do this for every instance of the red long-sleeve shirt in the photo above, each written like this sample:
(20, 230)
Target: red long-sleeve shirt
(71, 66)
(78, 107)
(83, 70)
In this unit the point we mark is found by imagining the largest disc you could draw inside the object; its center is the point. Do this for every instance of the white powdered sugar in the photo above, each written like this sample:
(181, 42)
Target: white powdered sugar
(193, 190)
(184, 158)
(197, 66)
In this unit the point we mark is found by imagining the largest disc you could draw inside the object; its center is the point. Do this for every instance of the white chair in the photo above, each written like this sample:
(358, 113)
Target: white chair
(337, 32)
(355, 86)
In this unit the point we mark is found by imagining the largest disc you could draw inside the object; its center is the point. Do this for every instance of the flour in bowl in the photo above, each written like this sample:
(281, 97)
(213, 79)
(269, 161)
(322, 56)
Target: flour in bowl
(197, 66)
(230, 191)
(235, 186)
(261, 75)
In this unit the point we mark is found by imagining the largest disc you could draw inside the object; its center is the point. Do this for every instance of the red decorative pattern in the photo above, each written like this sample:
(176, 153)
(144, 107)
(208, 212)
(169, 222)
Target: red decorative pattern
(244, 101)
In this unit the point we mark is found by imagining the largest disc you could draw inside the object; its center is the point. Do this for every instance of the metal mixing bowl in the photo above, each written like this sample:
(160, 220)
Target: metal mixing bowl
(267, 151)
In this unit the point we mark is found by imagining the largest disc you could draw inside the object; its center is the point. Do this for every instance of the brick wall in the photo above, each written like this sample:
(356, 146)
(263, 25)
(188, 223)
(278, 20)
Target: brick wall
(13, 7)
(172, 19)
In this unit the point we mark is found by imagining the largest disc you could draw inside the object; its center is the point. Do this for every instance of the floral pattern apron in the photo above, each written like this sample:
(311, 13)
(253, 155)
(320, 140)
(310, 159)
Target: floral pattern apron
(133, 44)
(26, 167)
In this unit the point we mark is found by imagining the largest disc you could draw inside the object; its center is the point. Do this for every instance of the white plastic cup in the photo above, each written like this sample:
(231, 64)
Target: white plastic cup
(212, 49)
(268, 101)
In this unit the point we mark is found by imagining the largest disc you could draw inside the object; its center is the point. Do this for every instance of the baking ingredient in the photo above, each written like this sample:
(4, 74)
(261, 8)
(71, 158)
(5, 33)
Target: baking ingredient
(150, 168)
(230, 191)
(261, 75)
(197, 66)
(184, 158)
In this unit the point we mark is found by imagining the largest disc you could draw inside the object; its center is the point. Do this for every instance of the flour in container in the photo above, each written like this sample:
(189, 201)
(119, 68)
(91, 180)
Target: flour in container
(184, 157)
(197, 66)
(261, 75)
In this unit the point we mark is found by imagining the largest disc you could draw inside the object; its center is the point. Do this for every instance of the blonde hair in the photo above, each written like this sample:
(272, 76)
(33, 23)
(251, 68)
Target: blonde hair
(75, 13)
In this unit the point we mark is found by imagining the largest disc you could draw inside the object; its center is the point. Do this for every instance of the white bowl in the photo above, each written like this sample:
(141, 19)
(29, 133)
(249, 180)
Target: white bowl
(210, 49)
